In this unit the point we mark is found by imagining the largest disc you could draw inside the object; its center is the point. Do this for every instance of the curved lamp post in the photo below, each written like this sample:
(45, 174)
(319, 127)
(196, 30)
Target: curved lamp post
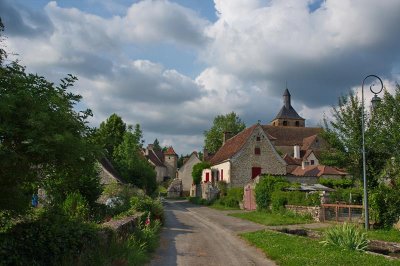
(375, 100)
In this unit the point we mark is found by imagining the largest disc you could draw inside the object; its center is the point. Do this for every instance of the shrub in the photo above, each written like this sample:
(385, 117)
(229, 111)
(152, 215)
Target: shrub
(346, 236)
(76, 207)
(223, 188)
(199, 201)
(198, 170)
(148, 205)
(265, 188)
(336, 183)
(385, 205)
(344, 195)
(278, 200)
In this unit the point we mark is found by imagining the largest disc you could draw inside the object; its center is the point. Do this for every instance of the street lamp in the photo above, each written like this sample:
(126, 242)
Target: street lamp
(374, 102)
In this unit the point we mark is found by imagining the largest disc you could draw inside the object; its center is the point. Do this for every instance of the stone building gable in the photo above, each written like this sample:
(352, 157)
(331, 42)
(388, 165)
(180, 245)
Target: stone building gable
(185, 172)
(246, 158)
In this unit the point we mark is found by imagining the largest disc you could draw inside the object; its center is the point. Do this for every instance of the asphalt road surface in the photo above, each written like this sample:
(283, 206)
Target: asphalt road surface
(197, 235)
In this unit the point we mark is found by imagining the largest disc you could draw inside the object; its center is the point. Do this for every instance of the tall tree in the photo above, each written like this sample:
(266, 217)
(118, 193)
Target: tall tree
(156, 145)
(132, 165)
(43, 140)
(110, 134)
(222, 123)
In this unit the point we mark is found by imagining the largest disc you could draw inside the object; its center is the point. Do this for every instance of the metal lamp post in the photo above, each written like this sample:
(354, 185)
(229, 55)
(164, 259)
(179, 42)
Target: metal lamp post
(375, 101)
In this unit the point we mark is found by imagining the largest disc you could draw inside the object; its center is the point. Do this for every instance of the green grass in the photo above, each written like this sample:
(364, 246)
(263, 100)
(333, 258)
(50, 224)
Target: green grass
(222, 207)
(268, 218)
(391, 235)
(296, 250)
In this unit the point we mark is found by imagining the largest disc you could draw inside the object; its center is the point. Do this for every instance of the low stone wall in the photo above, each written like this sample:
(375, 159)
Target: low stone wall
(315, 212)
(125, 226)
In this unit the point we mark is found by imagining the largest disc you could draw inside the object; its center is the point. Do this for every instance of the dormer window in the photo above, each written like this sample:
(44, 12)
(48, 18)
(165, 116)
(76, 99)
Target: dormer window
(257, 151)
(258, 138)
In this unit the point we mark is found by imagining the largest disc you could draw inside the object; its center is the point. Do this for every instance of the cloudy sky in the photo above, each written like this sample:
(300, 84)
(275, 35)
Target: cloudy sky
(173, 65)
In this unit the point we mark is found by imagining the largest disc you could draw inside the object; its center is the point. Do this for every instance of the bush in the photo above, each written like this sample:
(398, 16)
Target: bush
(198, 170)
(223, 188)
(336, 183)
(265, 188)
(76, 207)
(385, 205)
(233, 197)
(148, 205)
(46, 241)
(343, 195)
(278, 200)
(346, 236)
(199, 201)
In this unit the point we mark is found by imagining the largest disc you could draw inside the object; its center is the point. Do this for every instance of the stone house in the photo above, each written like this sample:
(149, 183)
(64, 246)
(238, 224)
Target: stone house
(185, 172)
(284, 147)
(164, 163)
(108, 174)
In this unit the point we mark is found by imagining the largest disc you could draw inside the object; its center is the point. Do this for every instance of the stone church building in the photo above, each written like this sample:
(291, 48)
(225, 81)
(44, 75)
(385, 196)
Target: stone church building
(285, 147)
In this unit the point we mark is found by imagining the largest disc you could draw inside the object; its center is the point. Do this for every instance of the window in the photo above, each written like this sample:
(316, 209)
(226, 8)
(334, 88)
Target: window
(285, 123)
(255, 171)
(312, 162)
(222, 174)
(297, 123)
(258, 138)
(257, 151)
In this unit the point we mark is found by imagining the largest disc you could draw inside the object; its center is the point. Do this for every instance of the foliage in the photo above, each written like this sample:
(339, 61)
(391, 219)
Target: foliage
(288, 250)
(46, 241)
(233, 197)
(336, 183)
(132, 165)
(222, 123)
(348, 195)
(223, 188)
(51, 142)
(265, 187)
(299, 198)
(76, 207)
(156, 145)
(198, 170)
(110, 134)
(346, 236)
(148, 205)
(199, 201)
(274, 218)
(385, 204)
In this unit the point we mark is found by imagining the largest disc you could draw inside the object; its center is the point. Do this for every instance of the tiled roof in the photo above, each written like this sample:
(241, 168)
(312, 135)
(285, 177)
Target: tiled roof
(306, 154)
(110, 168)
(290, 136)
(308, 141)
(152, 156)
(291, 161)
(288, 113)
(317, 170)
(170, 151)
(232, 146)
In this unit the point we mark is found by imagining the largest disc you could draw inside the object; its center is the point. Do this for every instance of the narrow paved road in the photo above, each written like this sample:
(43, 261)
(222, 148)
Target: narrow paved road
(196, 235)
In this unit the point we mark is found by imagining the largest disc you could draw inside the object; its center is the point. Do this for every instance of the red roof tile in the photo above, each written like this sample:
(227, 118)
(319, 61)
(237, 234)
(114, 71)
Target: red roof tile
(170, 151)
(232, 146)
(317, 170)
(290, 136)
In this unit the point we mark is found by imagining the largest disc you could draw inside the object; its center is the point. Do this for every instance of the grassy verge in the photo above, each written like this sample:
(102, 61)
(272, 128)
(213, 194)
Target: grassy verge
(222, 207)
(391, 235)
(295, 250)
(268, 218)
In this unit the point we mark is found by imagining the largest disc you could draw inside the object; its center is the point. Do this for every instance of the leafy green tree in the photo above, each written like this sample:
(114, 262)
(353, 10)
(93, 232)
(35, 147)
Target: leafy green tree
(110, 134)
(132, 165)
(198, 170)
(265, 188)
(138, 135)
(156, 145)
(43, 140)
(222, 123)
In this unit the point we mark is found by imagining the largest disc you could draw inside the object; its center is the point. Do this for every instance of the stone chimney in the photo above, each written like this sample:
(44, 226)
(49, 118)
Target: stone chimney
(227, 135)
(296, 151)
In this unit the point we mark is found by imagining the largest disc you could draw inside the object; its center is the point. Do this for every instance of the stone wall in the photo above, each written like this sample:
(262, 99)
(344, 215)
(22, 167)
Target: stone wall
(315, 212)
(268, 159)
(175, 189)
(122, 227)
(185, 172)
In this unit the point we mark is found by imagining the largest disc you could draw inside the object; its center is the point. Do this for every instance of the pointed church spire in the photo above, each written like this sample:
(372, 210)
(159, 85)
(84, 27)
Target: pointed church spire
(286, 99)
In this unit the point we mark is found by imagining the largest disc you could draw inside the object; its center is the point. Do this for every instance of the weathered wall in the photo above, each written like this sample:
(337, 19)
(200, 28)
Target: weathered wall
(302, 179)
(171, 162)
(315, 212)
(185, 172)
(268, 159)
(161, 172)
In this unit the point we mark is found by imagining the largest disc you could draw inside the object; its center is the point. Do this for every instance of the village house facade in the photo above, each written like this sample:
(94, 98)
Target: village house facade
(285, 147)
(164, 163)
(185, 172)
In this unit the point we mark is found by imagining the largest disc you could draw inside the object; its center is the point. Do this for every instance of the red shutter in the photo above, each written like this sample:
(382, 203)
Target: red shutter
(222, 174)
(207, 177)
(255, 171)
